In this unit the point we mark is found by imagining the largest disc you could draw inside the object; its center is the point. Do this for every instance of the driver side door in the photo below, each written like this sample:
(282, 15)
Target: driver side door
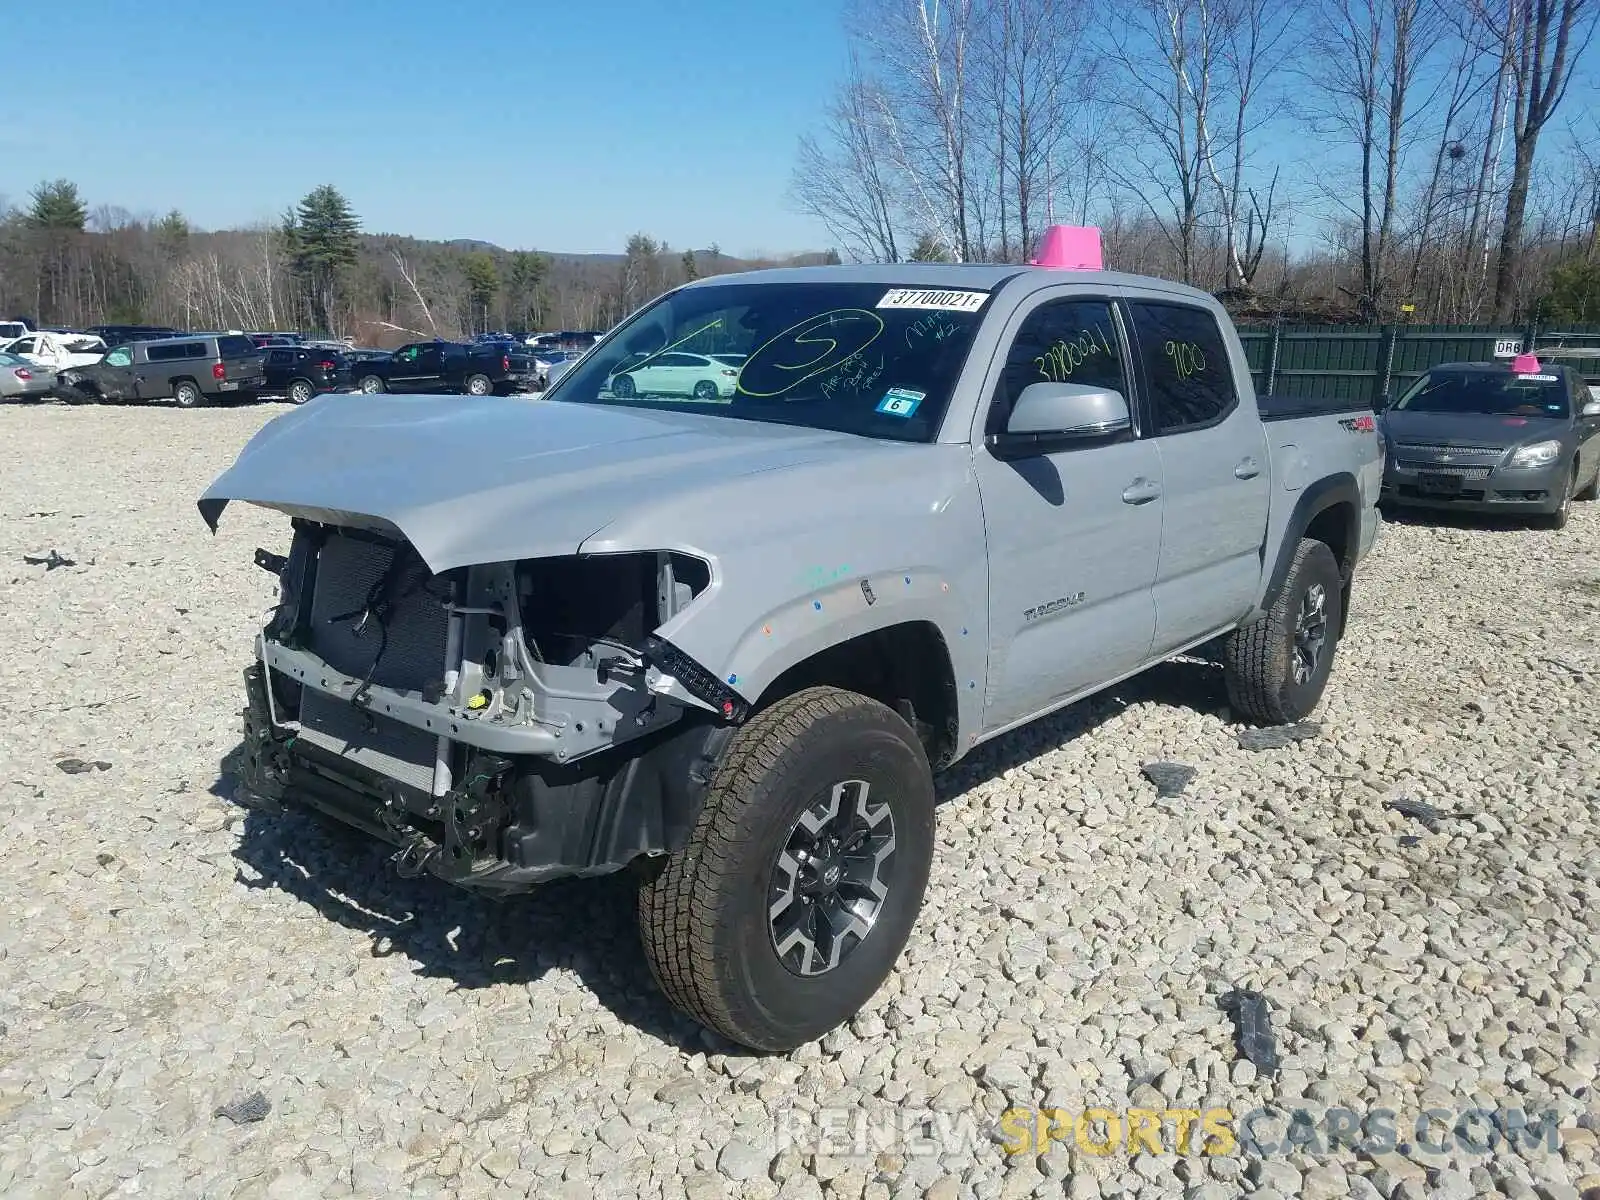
(114, 375)
(403, 369)
(1074, 531)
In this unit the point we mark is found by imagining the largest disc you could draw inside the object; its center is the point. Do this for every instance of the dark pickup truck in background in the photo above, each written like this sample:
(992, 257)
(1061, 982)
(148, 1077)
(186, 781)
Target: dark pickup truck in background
(482, 369)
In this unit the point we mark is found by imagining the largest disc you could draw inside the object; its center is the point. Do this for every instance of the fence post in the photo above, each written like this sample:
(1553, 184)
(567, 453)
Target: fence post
(1272, 355)
(1386, 359)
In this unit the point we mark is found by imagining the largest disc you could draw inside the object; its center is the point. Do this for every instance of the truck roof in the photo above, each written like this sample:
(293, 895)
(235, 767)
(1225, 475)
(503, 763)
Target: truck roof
(988, 276)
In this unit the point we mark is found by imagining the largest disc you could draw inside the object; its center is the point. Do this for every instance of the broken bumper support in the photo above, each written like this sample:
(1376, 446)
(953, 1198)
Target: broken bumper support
(511, 824)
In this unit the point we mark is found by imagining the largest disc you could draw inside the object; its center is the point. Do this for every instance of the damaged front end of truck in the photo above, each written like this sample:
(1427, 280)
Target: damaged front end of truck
(500, 724)
(445, 670)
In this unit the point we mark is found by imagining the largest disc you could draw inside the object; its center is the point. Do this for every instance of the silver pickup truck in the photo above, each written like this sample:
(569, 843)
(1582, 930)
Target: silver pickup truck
(780, 546)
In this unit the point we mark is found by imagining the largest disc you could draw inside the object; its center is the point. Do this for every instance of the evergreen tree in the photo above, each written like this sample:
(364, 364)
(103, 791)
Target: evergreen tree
(323, 237)
(483, 284)
(57, 207)
(929, 249)
(172, 235)
(524, 288)
(1574, 294)
(690, 269)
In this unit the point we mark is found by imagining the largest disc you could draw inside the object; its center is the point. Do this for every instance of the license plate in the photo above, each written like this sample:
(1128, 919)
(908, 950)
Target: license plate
(229, 384)
(1439, 485)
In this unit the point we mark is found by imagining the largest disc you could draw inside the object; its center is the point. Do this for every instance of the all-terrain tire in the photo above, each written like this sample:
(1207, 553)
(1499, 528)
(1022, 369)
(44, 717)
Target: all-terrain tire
(705, 918)
(1260, 658)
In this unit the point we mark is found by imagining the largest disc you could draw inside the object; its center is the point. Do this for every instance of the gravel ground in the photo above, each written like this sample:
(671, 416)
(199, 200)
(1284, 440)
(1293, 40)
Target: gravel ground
(164, 954)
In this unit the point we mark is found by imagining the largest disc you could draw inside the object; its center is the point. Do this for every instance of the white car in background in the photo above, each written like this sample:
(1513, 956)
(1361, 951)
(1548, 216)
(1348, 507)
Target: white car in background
(57, 351)
(677, 373)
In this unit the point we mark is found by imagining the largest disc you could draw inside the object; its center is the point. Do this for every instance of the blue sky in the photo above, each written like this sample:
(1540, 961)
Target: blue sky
(552, 126)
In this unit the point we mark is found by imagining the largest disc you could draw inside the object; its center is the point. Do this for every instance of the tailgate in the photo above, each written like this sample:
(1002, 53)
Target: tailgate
(243, 366)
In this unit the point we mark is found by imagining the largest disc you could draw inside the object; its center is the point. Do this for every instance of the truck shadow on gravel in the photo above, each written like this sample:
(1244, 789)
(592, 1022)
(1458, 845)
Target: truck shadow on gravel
(585, 926)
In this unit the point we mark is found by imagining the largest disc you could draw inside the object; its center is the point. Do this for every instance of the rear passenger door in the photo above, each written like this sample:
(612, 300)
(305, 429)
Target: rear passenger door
(1214, 470)
(279, 368)
(1074, 532)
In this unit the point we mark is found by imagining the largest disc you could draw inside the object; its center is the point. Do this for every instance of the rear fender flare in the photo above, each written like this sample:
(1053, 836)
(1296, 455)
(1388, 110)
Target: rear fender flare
(1340, 488)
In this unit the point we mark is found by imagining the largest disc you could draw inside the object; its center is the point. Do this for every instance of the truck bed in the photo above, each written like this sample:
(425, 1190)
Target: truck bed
(1285, 408)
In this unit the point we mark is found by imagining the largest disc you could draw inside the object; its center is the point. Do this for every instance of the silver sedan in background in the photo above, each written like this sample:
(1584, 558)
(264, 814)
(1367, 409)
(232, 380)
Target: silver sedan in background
(23, 380)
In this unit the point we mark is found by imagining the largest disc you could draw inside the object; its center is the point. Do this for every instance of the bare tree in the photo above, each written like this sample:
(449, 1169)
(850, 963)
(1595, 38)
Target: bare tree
(1032, 75)
(1369, 55)
(1543, 39)
(1167, 53)
(919, 52)
(842, 178)
(409, 275)
(1253, 36)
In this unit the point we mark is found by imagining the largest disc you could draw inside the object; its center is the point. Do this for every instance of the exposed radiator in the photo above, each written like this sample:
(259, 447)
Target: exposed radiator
(348, 572)
(386, 746)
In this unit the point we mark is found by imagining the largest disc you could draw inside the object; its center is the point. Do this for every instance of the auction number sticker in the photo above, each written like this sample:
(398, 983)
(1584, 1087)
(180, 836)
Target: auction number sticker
(946, 301)
(900, 402)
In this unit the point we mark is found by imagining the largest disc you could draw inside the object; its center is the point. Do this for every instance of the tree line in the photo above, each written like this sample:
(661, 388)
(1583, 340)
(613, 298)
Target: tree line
(1360, 159)
(315, 269)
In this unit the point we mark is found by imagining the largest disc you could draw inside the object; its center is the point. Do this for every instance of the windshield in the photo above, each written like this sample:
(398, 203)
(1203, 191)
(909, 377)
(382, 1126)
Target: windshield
(852, 357)
(1489, 393)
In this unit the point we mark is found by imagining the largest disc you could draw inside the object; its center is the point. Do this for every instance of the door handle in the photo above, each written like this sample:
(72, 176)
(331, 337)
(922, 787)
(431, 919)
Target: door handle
(1248, 469)
(1141, 491)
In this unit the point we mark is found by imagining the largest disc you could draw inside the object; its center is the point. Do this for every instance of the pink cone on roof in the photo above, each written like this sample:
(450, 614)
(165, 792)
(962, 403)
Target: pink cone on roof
(1070, 248)
(1525, 364)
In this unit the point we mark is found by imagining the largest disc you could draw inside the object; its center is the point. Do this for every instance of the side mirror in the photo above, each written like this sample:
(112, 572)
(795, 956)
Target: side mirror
(1051, 416)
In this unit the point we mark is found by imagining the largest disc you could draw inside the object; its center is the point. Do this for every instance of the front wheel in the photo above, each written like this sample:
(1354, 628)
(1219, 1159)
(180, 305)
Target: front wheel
(1558, 518)
(622, 387)
(803, 876)
(1278, 665)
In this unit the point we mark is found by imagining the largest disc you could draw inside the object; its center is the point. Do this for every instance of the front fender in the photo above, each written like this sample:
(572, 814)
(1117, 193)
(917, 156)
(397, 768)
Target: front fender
(794, 632)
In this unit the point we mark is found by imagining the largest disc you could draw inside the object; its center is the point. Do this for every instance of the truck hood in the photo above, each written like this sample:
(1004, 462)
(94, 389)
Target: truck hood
(1468, 429)
(489, 479)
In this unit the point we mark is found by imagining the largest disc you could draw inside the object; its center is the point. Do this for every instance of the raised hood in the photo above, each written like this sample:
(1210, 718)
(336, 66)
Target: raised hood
(488, 479)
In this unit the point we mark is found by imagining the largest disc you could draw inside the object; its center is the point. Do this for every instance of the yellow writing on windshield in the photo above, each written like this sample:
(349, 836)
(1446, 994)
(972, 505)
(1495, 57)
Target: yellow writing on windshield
(808, 348)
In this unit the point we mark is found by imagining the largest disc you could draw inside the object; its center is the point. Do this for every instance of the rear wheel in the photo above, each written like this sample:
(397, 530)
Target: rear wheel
(1278, 665)
(300, 391)
(705, 390)
(370, 384)
(800, 883)
(186, 393)
(479, 385)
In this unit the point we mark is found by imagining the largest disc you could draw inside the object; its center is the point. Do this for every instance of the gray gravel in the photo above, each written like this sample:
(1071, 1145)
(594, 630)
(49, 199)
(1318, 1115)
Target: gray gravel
(164, 956)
